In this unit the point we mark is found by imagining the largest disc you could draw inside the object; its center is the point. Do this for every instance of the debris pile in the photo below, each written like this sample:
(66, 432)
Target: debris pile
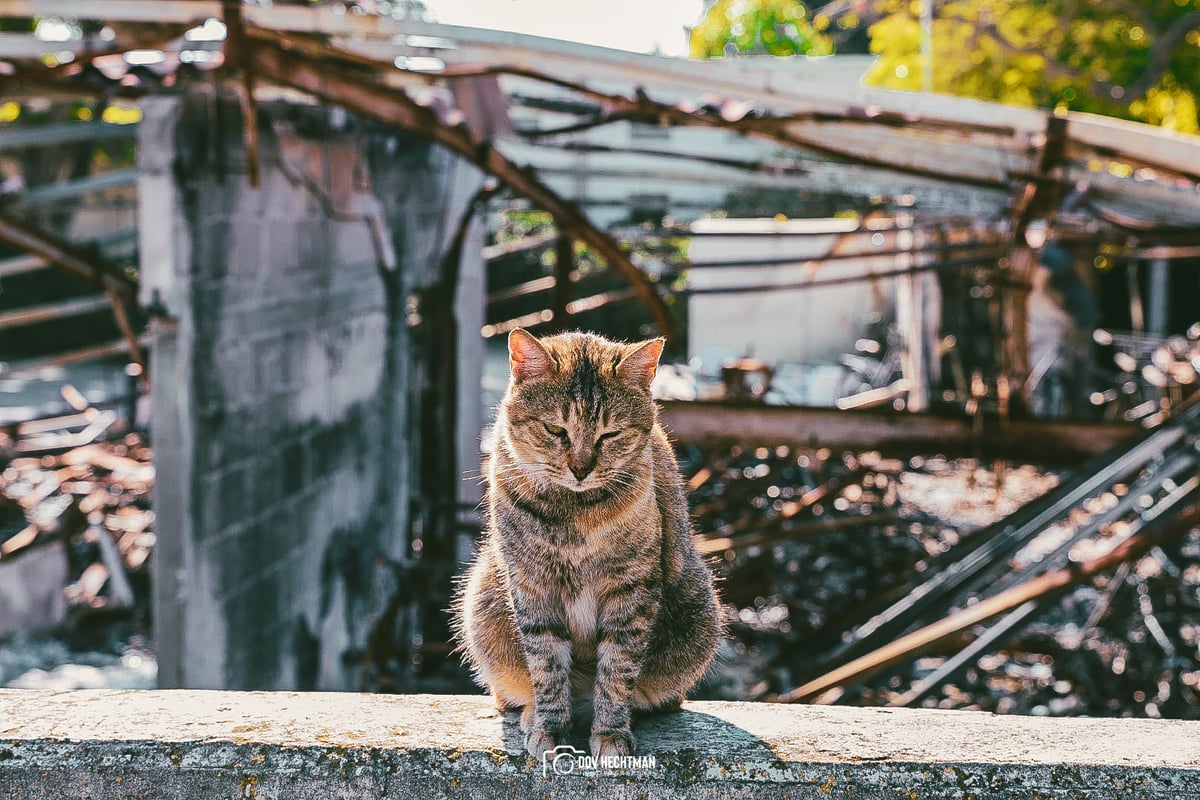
(1153, 374)
(859, 579)
(805, 539)
(75, 490)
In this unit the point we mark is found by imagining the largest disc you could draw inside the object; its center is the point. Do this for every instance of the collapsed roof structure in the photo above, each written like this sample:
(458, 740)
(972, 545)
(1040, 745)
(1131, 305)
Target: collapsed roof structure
(1134, 188)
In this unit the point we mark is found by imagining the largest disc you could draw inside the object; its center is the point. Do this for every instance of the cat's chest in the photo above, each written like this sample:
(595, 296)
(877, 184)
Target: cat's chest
(579, 593)
(582, 611)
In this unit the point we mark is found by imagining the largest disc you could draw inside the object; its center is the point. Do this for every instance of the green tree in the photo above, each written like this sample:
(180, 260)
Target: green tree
(771, 27)
(1136, 59)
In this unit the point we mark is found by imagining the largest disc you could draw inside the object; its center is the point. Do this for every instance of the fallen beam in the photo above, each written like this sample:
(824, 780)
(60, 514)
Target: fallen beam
(17, 265)
(891, 432)
(28, 262)
(776, 531)
(187, 744)
(48, 443)
(121, 291)
(78, 355)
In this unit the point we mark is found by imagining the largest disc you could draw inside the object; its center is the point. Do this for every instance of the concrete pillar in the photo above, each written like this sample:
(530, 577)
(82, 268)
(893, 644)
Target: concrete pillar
(281, 426)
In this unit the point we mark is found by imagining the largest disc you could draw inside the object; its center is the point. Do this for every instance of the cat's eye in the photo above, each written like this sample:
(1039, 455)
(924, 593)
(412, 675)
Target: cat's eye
(608, 435)
(555, 430)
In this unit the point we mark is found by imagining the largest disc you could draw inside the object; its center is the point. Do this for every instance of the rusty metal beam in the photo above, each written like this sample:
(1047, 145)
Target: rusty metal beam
(332, 82)
(16, 265)
(537, 241)
(890, 432)
(79, 355)
(791, 131)
(235, 46)
(711, 545)
(564, 261)
(120, 309)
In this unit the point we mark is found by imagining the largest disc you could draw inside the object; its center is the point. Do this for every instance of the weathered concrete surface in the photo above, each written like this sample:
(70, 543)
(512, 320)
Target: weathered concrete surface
(113, 745)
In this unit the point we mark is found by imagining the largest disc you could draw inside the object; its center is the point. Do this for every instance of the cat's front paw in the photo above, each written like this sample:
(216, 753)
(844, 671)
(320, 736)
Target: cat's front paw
(612, 743)
(539, 739)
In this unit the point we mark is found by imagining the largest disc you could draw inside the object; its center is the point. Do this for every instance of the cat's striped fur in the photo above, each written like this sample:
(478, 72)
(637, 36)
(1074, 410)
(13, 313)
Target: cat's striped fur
(587, 585)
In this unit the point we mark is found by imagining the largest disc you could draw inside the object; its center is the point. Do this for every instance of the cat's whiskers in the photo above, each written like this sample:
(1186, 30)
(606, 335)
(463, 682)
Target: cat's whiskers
(532, 477)
(623, 485)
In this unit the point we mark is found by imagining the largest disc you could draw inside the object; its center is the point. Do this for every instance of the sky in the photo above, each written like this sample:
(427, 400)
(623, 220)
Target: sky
(642, 26)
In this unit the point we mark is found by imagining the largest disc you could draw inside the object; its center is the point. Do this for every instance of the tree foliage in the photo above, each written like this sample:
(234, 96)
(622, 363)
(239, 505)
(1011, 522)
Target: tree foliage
(1136, 59)
(770, 27)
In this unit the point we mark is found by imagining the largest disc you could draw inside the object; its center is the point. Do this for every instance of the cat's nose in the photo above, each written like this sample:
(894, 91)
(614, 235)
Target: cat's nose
(581, 463)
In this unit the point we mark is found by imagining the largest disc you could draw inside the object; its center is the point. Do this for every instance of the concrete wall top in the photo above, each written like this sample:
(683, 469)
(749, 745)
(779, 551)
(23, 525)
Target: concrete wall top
(106, 745)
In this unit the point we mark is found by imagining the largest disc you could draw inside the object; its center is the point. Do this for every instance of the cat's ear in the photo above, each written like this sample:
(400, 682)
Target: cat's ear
(640, 364)
(527, 358)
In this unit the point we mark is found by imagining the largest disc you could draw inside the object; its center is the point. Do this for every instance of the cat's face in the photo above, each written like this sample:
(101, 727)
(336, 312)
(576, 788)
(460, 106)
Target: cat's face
(578, 408)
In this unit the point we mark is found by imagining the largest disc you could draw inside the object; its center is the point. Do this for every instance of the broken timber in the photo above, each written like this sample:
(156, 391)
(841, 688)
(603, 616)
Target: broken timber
(1018, 597)
(893, 433)
(973, 582)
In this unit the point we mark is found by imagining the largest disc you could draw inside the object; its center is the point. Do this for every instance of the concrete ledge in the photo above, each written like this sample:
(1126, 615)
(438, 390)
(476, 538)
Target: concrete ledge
(120, 745)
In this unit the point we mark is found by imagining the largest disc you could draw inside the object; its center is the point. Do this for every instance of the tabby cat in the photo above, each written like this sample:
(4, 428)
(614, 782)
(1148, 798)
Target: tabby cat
(587, 587)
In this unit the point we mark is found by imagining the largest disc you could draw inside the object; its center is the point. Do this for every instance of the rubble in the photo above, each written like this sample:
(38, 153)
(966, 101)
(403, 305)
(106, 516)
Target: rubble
(799, 597)
(76, 492)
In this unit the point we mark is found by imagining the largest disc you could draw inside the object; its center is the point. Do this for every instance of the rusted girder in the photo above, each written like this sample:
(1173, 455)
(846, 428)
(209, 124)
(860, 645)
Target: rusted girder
(235, 46)
(564, 262)
(890, 432)
(333, 82)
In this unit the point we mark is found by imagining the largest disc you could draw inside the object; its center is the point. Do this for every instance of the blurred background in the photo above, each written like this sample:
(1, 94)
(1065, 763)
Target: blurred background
(928, 273)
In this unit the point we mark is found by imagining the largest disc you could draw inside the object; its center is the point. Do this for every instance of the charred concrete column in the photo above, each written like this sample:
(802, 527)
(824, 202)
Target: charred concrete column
(283, 424)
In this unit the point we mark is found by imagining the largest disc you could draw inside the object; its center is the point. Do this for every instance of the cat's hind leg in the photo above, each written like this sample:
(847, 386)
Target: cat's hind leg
(682, 643)
(489, 637)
